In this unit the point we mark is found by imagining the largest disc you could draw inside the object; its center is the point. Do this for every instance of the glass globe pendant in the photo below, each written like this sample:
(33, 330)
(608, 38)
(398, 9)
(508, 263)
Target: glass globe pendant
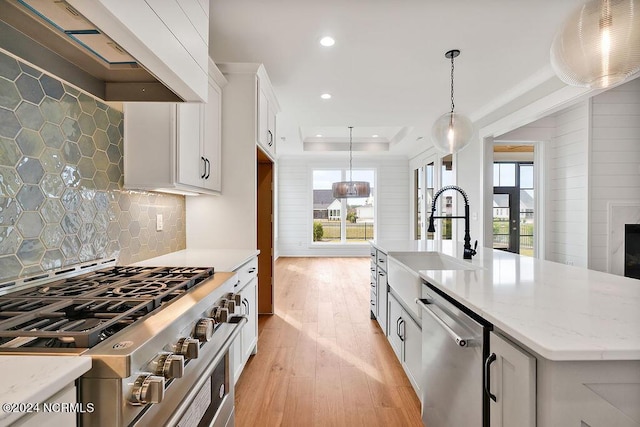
(452, 131)
(599, 45)
(350, 189)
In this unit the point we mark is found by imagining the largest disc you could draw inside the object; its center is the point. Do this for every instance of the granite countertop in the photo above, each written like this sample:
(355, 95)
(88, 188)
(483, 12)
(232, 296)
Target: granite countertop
(219, 259)
(559, 312)
(34, 379)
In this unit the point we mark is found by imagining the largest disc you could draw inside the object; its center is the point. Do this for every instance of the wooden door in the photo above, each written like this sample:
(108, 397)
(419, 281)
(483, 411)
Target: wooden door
(265, 233)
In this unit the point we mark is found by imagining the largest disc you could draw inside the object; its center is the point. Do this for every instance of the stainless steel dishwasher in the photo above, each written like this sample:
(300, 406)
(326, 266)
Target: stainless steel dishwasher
(454, 347)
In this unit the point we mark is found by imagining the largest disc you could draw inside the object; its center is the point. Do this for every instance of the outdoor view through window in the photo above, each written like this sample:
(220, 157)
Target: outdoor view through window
(342, 220)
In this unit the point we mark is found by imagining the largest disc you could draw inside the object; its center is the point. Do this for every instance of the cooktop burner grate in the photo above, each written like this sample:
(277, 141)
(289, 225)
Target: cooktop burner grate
(84, 310)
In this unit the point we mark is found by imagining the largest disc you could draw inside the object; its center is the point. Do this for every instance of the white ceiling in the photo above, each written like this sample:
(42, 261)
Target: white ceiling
(387, 73)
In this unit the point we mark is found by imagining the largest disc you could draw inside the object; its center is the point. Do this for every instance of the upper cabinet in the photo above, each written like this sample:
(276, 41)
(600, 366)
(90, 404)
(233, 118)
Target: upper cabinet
(175, 148)
(169, 37)
(267, 110)
(252, 106)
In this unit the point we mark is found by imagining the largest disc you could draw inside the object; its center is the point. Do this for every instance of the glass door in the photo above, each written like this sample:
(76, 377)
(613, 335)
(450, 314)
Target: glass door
(513, 207)
(505, 220)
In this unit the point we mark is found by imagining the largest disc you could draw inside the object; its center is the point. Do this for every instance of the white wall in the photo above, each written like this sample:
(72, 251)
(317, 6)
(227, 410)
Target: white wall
(615, 165)
(567, 206)
(295, 203)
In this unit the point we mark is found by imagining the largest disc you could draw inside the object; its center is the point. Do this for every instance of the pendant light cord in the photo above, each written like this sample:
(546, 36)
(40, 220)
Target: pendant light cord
(452, 104)
(350, 152)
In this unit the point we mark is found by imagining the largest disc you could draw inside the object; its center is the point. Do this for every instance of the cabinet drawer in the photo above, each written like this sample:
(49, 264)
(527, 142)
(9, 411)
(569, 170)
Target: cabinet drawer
(247, 272)
(374, 254)
(382, 260)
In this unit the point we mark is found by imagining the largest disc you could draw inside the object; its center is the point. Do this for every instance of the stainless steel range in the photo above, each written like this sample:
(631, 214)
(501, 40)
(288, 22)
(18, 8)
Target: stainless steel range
(159, 339)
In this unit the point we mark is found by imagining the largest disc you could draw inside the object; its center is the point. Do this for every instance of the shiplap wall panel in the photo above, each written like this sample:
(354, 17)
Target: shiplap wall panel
(567, 201)
(615, 161)
(295, 205)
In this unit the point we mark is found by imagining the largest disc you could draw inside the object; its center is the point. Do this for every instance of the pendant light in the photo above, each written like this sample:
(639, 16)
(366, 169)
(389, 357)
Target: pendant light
(350, 189)
(599, 45)
(452, 131)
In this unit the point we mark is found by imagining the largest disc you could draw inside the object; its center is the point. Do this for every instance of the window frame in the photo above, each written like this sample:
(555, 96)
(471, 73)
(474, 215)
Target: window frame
(343, 243)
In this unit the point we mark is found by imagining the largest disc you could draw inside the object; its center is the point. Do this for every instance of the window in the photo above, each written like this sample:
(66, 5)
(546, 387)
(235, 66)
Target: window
(342, 220)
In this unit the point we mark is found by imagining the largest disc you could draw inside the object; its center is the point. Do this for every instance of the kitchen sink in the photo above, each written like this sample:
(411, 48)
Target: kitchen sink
(403, 278)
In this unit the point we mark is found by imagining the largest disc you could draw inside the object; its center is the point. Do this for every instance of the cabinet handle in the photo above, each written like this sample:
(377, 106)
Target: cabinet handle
(245, 302)
(398, 327)
(402, 329)
(252, 270)
(270, 143)
(207, 168)
(487, 365)
(204, 161)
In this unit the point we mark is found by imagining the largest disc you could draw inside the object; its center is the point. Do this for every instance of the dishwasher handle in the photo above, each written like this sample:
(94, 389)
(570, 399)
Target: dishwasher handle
(461, 341)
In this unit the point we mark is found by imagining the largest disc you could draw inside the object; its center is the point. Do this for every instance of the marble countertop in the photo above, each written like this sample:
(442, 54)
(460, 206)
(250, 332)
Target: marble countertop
(557, 311)
(219, 259)
(34, 379)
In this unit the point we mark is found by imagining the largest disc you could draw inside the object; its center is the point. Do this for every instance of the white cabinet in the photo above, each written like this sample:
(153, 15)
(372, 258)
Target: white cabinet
(254, 103)
(175, 147)
(512, 375)
(250, 309)
(170, 37)
(379, 288)
(405, 336)
(267, 110)
(246, 343)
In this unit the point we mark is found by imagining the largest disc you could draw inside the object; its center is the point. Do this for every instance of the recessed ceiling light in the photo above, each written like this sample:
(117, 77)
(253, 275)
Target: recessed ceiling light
(325, 96)
(327, 41)
(374, 136)
(318, 136)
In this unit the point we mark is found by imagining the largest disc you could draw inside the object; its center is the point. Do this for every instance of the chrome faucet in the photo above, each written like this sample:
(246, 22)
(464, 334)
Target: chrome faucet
(468, 252)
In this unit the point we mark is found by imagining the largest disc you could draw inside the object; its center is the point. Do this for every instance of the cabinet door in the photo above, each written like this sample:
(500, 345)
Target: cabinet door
(271, 129)
(395, 318)
(190, 163)
(513, 383)
(212, 139)
(412, 357)
(381, 291)
(263, 117)
(250, 331)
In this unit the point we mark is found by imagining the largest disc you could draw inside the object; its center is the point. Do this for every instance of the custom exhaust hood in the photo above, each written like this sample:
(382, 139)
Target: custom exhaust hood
(55, 37)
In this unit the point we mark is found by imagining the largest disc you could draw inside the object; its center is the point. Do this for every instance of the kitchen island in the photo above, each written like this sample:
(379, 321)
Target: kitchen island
(580, 328)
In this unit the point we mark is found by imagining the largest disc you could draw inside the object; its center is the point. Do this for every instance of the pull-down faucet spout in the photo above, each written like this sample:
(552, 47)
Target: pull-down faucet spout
(468, 252)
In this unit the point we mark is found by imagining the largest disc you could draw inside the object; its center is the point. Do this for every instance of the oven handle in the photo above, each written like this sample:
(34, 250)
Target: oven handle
(188, 399)
(462, 342)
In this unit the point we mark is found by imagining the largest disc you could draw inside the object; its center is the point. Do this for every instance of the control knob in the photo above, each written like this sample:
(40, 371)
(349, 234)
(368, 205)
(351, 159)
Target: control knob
(228, 304)
(170, 366)
(237, 298)
(204, 329)
(188, 347)
(147, 389)
(220, 314)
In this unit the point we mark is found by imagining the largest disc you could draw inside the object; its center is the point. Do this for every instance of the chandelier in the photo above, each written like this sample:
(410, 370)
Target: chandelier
(350, 189)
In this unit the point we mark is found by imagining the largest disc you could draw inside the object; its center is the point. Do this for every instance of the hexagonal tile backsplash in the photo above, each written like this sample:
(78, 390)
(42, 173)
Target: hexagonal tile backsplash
(61, 197)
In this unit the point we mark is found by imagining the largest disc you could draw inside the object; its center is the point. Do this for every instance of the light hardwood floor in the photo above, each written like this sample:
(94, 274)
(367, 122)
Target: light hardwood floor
(321, 360)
